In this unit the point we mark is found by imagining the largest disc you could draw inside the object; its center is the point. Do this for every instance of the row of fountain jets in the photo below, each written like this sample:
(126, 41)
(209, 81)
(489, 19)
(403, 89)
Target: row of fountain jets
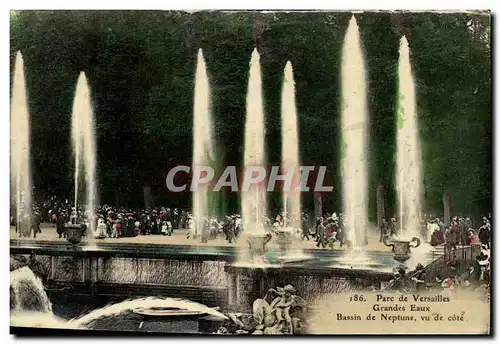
(355, 116)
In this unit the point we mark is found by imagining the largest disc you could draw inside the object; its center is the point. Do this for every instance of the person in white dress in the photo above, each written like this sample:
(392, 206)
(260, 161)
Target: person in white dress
(100, 232)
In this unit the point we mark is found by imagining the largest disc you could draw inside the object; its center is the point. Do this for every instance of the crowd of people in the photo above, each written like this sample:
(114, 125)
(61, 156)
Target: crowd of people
(327, 230)
(460, 231)
(458, 275)
(473, 276)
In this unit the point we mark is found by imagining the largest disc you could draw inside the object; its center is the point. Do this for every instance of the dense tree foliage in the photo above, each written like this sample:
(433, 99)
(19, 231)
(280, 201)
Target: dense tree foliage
(140, 66)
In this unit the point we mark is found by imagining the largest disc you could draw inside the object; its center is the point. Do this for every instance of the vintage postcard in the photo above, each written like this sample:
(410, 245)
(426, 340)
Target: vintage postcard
(250, 172)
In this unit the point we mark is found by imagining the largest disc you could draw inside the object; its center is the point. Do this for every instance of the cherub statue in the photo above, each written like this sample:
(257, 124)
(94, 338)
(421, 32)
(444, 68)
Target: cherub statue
(282, 312)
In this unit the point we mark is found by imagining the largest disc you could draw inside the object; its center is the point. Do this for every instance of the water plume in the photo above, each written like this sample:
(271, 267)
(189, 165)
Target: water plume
(20, 147)
(290, 160)
(203, 152)
(254, 200)
(84, 147)
(409, 165)
(354, 146)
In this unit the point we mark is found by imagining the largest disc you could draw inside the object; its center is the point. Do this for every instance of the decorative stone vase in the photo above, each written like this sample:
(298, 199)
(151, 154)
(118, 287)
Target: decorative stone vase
(284, 240)
(401, 248)
(257, 245)
(75, 232)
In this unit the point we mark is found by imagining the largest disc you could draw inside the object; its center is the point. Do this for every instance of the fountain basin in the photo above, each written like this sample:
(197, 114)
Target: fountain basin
(205, 274)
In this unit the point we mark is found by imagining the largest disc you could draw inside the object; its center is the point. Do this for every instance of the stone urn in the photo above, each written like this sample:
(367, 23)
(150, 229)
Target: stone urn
(75, 232)
(257, 245)
(401, 248)
(284, 240)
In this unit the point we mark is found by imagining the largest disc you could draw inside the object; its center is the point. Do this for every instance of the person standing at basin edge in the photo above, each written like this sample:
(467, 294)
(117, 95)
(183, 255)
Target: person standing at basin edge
(305, 226)
(382, 227)
(101, 229)
(464, 234)
(484, 232)
(392, 227)
(320, 235)
(315, 228)
(419, 277)
(454, 234)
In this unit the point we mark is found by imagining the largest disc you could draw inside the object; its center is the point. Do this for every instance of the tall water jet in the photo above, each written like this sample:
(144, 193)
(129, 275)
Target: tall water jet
(290, 160)
(84, 147)
(354, 137)
(20, 148)
(254, 198)
(202, 140)
(76, 140)
(409, 166)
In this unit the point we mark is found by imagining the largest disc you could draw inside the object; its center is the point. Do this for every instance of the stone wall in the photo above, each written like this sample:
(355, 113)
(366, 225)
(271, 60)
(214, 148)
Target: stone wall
(133, 270)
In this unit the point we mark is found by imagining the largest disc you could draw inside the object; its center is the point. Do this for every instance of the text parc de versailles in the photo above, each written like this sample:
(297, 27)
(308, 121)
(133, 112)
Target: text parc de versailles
(377, 307)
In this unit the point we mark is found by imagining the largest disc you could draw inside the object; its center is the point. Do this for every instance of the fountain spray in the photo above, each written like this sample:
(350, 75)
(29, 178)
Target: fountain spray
(202, 139)
(254, 200)
(409, 165)
(20, 147)
(354, 136)
(84, 147)
(290, 160)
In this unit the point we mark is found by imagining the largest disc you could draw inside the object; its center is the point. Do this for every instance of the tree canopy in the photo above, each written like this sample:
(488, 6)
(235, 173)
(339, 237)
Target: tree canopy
(141, 64)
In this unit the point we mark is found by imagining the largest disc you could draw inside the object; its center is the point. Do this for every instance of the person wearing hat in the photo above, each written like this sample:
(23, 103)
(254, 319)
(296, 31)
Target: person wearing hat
(392, 227)
(155, 223)
(175, 218)
(205, 230)
(382, 226)
(335, 217)
(304, 229)
(400, 281)
(484, 232)
(231, 230)
(464, 231)
(164, 228)
(395, 282)
(192, 230)
(473, 238)
(314, 229)
(320, 234)
(449, 282)
(485, 252)
(101, 229)
(484, 267)
(238, 226)
(419, 277)
(468, 222)
(454, 234)
(226, 225)
(117, 228)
